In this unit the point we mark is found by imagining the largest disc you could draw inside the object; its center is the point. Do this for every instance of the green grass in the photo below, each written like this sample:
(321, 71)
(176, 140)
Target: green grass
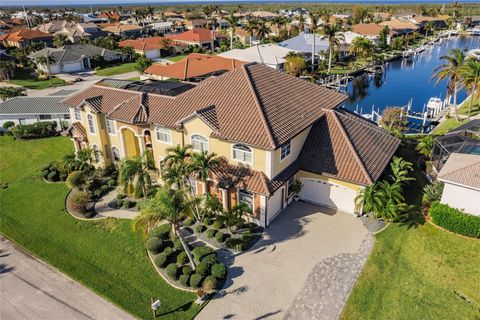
(106, 256)
(452, 123)
(111, 71)
(414, 269)
(177, 58)
(28, 81)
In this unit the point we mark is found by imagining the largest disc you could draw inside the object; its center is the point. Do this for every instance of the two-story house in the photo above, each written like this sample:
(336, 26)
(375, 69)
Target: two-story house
(269, 128)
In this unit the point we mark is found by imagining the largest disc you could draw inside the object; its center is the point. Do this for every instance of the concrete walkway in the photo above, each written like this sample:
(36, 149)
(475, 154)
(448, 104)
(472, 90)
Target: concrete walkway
(30, 289)
(102, 208)
(304, 268)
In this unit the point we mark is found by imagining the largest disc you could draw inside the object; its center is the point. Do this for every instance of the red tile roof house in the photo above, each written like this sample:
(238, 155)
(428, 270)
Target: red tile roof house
(268, 128)
(22, 37)
(194, 68)
(201, 37)
(153, 47)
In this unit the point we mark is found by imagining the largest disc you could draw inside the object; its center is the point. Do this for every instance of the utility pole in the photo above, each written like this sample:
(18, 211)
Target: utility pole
(47, 56)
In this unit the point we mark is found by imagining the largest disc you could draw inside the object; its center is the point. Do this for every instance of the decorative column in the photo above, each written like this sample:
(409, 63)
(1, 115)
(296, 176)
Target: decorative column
(224, 198)
(141, 144)
(122, 142)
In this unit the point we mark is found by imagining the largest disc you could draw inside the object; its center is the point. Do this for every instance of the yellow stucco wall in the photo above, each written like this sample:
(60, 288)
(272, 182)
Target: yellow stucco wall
(131, 143)
(305, 174)
(160, 148)
(296, 147)
(100, 136)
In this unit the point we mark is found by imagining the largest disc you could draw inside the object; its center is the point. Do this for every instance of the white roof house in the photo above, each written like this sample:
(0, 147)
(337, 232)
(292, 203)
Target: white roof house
(271, 55)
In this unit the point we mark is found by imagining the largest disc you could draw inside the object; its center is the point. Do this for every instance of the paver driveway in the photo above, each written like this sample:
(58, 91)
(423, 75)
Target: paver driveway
(304, 268)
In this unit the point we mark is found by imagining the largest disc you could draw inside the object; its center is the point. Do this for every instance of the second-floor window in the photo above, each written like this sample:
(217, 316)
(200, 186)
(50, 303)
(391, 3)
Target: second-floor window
(91, 125)
(199, 143)
(285, 150)
(110, 126)
(242, 153)
(163, 135)
(78, 115)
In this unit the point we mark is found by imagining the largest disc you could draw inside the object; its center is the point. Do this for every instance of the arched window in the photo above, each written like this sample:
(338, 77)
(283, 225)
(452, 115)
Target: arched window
(116, 154)
(242, 153)
(96, 153)
(91, 126)
(199, 143)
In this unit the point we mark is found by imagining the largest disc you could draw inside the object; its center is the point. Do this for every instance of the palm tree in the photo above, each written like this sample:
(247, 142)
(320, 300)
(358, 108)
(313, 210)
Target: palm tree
(251, 27)
(179, 157)
(368, 200)
(59, 40)
(233, 21)
(202, 164)
(10, 92)
(135, 173)
(332, 33)
(6, 70)
(167, 204)
(471, 80)
(392, 199)
(362, 47)
(263, 30)
(129, 52)
(401, 170)
(425, 146)
(314, 19)
(428, 27)
(301, 23)
(451, 71)
(84, 161)
(233, 216)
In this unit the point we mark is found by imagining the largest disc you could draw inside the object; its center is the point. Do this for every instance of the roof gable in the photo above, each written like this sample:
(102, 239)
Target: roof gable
(462, 169)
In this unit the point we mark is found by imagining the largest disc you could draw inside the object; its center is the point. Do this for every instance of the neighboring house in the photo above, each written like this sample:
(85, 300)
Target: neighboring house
(438, 21)
(124, 30)
(303, 43)
(54, 26)
(28, 110)
(245, 37)
(271, 55)
(400, 26)
(461, 176)
(201, 37)
(268, 129)
(194, 68)
(80, 31)
(163, 27)
(109, 16)
(72, 58)
(196, 23)
(22, 37)
(153, 47)
(369, 30)
(264, 15)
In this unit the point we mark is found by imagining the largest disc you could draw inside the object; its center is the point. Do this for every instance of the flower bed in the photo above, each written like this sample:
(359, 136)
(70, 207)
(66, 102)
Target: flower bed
(79, 206)
(124, 202)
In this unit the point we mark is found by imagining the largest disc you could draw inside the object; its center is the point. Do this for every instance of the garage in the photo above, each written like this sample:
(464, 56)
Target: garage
(275, 205)
(328, 194)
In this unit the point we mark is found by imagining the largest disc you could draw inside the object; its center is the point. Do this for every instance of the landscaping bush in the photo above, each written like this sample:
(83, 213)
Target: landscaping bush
(210, 258)
(112, 183)
(97, 193)
(200, 228)
(177, 244)
(119, 203)
(167, 251)
(36, 130)
(184, 279)
(218, 224)
(120, 196)
(161, 231)
(189, 221)
(8, 124)
(160, 260)
(89, 214)
(172, 270)
(211, 233)
(80, 201)
(154, 244)
(219, 271)
(63, 176)
(247, 236)
(45, 173)
(187, 270)
(105, 188)
(127, 204)
(455, 220)
(196, 280)
(202, 269)
(208, 221)
(47, 167)
(236, 244)
(210, 284)
(53, 176)
(200, 252)
(182, 258)
(76, 179)
(220, 237)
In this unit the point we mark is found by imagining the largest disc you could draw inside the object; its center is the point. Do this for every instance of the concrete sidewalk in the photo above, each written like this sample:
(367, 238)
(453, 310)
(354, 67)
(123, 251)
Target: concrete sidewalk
(31, 289)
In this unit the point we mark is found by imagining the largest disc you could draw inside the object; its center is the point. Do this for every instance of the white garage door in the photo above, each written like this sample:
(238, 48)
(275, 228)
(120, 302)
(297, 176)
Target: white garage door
(274, 205)
(329, 194)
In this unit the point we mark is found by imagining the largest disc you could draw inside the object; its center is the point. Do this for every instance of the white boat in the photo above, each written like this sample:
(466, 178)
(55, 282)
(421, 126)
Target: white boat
(474, 31)
(434, 105)
(474, 53)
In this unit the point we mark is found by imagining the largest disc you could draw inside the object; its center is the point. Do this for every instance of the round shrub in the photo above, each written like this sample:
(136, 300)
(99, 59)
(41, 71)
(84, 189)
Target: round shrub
(210, 258)
(196, 280)
(120, 196)
(200, 228)
(63, 176)
(167, 251)
(211, 233)
(182, 258)
(236, 244)
(76, 179)
(220, 237)
(161, 231)
(208, 221)
(80, 201)
(127, 204)
(97, 193)
(160, 260)
(46, 167)
(45, 173)
(189, 221)
(119, 203)
(112, 183)
(53, 176)
(187, 270)
(247, 236)
(105, 188)
(218, 224)
(177, 244)
(172, 270)
(184, 280)
(154, 244)
(8, 124)
(202, 268)
(200, 252)
(210, 284)
(219, 271)
(89, 214)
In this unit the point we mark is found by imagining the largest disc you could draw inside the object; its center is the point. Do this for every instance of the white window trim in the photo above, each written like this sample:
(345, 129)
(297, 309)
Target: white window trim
(169, 133)
(93, 123)
(238, 160)
(113, 155)
(253, 200)
(289, 154)
(75, 116)
(114, 126)
(201, 135)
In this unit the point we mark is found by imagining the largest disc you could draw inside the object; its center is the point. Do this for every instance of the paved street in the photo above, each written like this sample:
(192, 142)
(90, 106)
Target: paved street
(305, 268)
(30, 289)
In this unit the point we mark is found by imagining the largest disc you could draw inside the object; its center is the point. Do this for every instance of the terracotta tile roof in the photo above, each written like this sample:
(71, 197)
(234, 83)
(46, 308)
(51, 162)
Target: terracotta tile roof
(199, 35)
(462, 169)
(209, 116)
(367, 29)
(400, 24)
(351, 148)
(22, 34)
(194, 65)
(117, 28)
(151, 43)
(78, 131)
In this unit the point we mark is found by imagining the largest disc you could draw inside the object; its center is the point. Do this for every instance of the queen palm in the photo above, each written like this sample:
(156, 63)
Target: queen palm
(391, 198)
(233, 21)
(451, 70)
(263, 30)
(250, 28)
(332, 33)
(202, 164)
(301, 23)
(425, 145)
(135, 173)
(314, 19)
(362, 47)
(401, 170)
(179, 157)
(167, 204)
(471, 80)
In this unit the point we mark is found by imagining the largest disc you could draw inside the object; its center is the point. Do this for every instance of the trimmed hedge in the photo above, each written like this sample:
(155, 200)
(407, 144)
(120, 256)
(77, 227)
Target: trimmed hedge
(219, 271)
(162, 231)
(200, 228)
(160, 260)
(182, 258)
(200, 252)
(202, 269)
(184, 279)
(220, 237)
(210, 284)
(187, 270)
(36, 130)
(195, 280)
(455, 220)
(172, 270)
(154, 244)
(211, 233)
(236, 244)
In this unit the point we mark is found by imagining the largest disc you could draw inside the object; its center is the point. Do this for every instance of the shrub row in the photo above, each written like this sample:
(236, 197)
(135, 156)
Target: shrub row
(36, 130)
(51, 172)
(455, 220)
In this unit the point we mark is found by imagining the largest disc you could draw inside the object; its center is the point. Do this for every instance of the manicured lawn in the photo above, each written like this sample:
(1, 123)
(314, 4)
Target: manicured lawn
(105, 256)
(448, 125)
(110, 71)
(415, 269)
(452, 123)
(24, 79)
(176, 58)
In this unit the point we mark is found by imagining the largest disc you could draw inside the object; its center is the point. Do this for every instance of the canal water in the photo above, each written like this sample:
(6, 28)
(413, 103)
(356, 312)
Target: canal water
(404, 80)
